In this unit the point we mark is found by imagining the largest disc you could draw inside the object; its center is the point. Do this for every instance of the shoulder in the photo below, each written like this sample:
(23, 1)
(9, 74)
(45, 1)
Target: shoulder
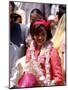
(17, 25)
(54, 52)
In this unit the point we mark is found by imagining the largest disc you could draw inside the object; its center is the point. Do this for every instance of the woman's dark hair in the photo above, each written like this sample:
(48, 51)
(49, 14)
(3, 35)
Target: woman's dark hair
(38, 12)
(34, 29)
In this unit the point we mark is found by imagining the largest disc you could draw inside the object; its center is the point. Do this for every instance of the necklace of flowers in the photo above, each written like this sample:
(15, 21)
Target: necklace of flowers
(45, 51)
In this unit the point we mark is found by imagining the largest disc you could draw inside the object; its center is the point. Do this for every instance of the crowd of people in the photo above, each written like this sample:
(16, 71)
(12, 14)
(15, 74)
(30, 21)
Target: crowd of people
(37, 49)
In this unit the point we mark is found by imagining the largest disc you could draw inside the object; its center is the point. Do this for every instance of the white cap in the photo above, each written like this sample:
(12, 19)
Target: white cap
(51, 17)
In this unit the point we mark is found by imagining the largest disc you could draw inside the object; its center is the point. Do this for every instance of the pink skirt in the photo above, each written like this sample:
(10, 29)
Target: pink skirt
(27, 80)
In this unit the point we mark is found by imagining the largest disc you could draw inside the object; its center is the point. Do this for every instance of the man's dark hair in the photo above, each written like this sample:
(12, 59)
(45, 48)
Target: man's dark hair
(16, 16)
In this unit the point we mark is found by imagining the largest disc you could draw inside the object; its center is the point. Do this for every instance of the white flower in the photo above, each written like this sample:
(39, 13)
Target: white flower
(42, 78)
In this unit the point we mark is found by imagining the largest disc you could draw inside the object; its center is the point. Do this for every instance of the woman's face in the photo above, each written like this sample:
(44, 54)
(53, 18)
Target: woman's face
(40, 38)
(19, 20)
(35, 16)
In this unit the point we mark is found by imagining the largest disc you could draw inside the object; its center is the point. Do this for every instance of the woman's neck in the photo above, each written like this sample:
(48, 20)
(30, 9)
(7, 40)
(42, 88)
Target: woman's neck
(37, 47)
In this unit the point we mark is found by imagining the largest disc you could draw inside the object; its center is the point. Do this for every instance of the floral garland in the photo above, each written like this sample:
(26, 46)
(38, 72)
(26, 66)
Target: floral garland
(44, 53)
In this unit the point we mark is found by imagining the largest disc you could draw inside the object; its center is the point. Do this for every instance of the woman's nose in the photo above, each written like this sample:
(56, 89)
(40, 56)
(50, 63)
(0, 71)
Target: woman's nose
(39, 37)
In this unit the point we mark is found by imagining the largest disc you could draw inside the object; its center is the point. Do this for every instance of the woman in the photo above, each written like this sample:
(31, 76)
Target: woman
(43, 67)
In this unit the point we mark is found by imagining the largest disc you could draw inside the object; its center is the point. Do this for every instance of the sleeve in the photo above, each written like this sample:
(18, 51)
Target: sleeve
(56, 69)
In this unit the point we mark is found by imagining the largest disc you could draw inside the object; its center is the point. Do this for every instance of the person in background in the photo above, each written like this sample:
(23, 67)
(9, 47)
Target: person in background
(59, 14)
(15, 39)
(15, 32)
(54, 20)
(13, 56)
(17, 18)
(42, 67)
(51, 19)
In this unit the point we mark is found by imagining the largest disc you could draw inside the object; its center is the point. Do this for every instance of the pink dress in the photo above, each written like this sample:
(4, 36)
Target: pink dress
(27, 80)
(50, 68)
